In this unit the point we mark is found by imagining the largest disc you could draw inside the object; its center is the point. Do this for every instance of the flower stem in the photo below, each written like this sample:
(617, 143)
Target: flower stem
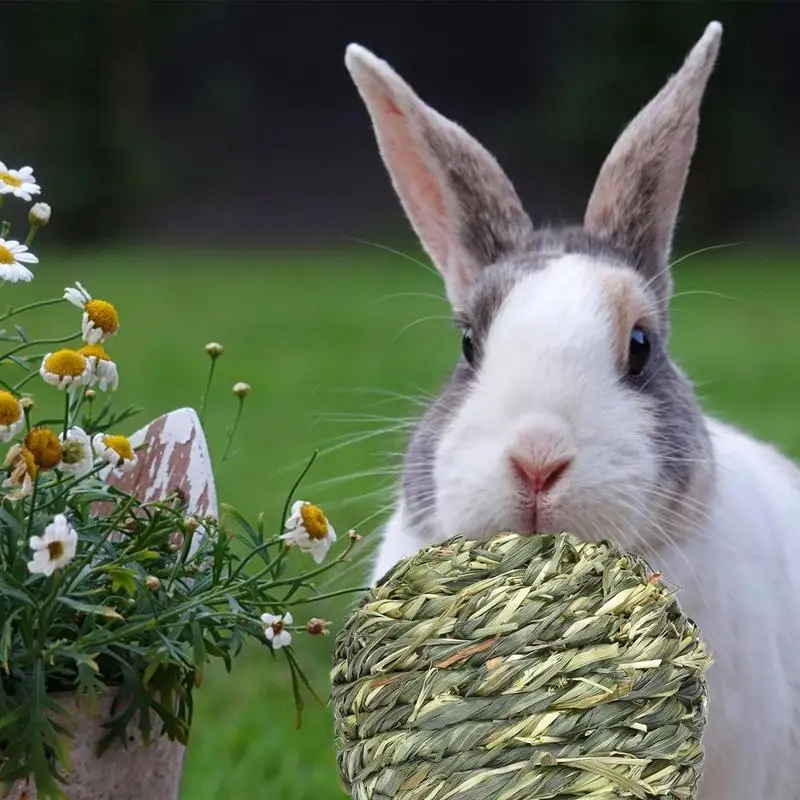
(38, 304)
(207, 390)
(33, 506)
(23, 345)
(67, 399)
(232, 431)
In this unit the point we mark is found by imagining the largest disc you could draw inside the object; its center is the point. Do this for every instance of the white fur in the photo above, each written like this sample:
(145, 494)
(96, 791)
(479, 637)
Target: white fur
(548, 369)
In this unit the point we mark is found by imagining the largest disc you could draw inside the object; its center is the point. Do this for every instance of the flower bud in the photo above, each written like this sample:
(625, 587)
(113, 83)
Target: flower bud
(39, 215)
(214, 349)
(152, 583)
(317, 627)
(241, 389)
(26, 402)
(354, 537)
(190, 524)
(90, 394)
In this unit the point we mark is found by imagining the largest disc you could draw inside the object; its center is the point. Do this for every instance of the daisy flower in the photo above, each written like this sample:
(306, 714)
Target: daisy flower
(104, 370)
(275, 629)
(100, 318)
(13, 256)
(19, 182)
(23, 472)
(76, 453)
(44, 446)
(12, 417)
(116, 450)
(66, 367)
(309, 529)
(55, 549)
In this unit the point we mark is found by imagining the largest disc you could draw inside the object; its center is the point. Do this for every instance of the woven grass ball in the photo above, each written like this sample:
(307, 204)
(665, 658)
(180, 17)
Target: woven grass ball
(519, 668)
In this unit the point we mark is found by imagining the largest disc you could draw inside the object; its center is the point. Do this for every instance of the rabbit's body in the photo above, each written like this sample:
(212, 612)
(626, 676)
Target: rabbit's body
(565, 411)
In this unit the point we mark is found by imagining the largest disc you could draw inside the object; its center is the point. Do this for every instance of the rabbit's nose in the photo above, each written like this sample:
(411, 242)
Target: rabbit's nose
(540, 475)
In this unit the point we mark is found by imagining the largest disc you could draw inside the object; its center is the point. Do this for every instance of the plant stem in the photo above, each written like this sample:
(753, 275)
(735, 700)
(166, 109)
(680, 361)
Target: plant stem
(204, 399)
(38, 304)
(66, 412)
(303, 600)
(33, 506)
(60, 340)
(232, 431)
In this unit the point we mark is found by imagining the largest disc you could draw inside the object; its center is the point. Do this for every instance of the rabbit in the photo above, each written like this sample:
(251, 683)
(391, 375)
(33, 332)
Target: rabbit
(565, 411)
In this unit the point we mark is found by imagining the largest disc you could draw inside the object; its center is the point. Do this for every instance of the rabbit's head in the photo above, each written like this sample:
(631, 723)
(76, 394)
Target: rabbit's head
(564, 411)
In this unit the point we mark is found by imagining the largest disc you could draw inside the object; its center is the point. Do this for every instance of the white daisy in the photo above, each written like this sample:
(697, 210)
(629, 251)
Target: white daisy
(12, 417)
(12, 257)
(55, 549)
(275, 629)
(116, 450)
(104, 370)
(19, 182)
(76, 452)
(65, 368)
(100, 318)
(308, 528)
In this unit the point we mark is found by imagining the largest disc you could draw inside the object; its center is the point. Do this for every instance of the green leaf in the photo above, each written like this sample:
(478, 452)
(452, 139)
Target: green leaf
(87, 608)
(18, 594)
(122, 578)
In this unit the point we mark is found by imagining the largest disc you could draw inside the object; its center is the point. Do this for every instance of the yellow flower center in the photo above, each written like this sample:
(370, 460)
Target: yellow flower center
(103, 315)
(44, 446)
(65, 363)
(10, 179)
(121, 445)
(94, 351)
(55, 549)
(6, 256)
(10, 409)
(314, 521)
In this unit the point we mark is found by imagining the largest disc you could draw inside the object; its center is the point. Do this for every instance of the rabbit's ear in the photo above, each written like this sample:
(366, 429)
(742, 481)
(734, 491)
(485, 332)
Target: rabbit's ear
(458, 199)
(638, 191)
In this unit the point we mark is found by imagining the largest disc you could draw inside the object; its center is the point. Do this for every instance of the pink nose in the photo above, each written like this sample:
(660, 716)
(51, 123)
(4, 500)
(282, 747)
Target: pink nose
(540, 476)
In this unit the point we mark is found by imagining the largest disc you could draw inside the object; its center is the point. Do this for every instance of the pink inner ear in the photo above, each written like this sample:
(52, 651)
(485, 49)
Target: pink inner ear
(415, 181)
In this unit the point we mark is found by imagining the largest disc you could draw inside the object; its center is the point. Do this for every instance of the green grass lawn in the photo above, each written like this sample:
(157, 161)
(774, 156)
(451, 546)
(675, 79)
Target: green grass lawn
(332, 344)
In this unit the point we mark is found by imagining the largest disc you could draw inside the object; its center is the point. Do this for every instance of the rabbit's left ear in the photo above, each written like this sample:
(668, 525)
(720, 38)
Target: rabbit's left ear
(638, 192)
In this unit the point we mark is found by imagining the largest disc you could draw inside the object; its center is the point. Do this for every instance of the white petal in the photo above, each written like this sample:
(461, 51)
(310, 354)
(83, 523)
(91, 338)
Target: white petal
(268, 619)
(37, 543)
(269, 633)
(74, 296)
(287, 618)
(319, 550)
(14, 273)
(283, 639)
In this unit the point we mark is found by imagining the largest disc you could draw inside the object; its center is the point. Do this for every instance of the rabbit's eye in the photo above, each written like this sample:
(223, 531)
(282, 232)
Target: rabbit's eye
(468, 347)
(638, 351)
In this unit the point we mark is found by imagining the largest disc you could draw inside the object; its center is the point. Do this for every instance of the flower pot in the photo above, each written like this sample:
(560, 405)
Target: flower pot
(124, 772)
(176, 458)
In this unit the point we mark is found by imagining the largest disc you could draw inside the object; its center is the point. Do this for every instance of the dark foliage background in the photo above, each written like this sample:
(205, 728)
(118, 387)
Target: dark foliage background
(220, 122)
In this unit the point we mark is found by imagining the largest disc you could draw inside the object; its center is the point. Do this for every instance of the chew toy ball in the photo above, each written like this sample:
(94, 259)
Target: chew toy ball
(519, 668)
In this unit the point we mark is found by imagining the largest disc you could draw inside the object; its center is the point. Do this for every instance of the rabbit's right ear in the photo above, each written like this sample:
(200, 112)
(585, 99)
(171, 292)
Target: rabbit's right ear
(458, 199)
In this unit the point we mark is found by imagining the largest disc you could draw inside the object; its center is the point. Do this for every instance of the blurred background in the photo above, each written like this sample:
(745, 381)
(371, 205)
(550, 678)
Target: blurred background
(213, 172)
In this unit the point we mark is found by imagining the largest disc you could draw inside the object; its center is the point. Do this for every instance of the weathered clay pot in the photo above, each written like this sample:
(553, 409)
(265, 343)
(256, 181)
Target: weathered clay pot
(132, 772)
(176, 458)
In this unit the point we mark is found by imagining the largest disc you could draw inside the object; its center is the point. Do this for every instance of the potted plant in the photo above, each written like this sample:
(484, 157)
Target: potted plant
(120, 577)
